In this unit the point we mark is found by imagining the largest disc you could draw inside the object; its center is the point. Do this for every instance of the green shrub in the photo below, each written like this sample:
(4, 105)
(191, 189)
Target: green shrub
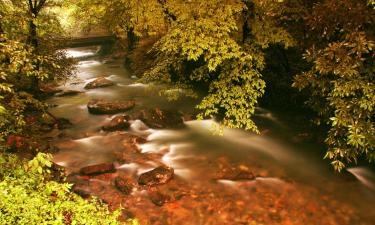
(27, 196)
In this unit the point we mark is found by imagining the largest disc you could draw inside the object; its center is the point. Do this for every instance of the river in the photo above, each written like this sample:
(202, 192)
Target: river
(293, 184)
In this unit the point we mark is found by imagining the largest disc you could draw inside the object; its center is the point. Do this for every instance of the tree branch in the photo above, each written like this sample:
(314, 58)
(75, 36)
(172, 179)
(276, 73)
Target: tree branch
(166, 11)
(31, 7)
(40, 5)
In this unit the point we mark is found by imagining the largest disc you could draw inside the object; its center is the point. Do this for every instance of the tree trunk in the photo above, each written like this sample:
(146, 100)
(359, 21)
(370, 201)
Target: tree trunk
(132, 39)
(247, 14)
(1, 33)
(33, 36)
(33, 41)
(1, 29)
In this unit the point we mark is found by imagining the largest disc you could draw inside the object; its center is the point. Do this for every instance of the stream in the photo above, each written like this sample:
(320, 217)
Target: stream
(292, 184)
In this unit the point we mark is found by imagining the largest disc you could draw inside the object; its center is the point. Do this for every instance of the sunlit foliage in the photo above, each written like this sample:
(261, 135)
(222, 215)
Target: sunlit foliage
(341, 81)
(202, 46)
(17, 71)
(29, 196)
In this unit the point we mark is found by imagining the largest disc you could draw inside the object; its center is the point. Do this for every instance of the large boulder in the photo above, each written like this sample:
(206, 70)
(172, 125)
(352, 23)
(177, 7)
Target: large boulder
(100, 106)
(98, 83)
(160, 118)
(117, 123)
(159, 175)
(98, 169)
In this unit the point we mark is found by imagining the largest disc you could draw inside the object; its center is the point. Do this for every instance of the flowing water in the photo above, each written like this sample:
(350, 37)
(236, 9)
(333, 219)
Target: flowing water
(293, 184)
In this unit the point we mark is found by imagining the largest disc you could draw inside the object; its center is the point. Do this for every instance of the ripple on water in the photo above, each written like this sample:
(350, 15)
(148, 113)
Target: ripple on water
(88, 63)
(365, 176)
(160, 135)
(273, 182)
(79, 53)
(88, 140)
(152, 148)
(132, 167)
(137, 85)
(139, 127)
(176, 156)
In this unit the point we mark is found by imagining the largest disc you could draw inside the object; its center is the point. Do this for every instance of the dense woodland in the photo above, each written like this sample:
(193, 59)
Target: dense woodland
(309, 57)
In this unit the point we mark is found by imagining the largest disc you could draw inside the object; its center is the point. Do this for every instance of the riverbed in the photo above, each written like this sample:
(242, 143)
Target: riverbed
(292, 184)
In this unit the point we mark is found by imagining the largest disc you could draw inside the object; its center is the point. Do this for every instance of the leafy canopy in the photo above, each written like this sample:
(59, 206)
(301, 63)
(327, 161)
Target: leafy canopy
(202, 46)
(341, 81)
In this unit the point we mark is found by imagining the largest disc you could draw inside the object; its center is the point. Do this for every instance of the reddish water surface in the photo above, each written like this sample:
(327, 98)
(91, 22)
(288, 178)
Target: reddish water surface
(292, 184)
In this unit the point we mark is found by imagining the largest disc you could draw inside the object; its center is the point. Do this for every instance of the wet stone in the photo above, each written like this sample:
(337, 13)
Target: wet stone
(98, 169)
(159, 175)
(117, 123)
(77, 179)
(100, 106)
(98, 83)
(159, 198)
(125, 185)
(81, 190)
(236, 174)
(49, 89)
(63, 123)
(68, 93)
(126, 214)
(160, 118)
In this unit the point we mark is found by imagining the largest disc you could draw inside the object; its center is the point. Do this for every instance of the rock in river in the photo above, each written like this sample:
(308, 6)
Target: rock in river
(160, 118)
(159, 175)
(124, 185)
(98, 169)
(117, 123)
(98, 83)
(100, 106)
(236, 174)
(159, 198)
(68, 93)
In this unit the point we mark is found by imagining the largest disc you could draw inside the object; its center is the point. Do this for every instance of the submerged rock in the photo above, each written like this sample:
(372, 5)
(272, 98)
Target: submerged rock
(160, 118)
(159, 175)
(159, 198)
(118, 123)
(98, 83)
(100, 106)
(63, 123)
(68, 93)
(237, 173)
(98, 169)
(124, 185)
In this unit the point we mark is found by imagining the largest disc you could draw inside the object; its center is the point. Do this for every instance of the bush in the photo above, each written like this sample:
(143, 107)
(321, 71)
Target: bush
(27, 196)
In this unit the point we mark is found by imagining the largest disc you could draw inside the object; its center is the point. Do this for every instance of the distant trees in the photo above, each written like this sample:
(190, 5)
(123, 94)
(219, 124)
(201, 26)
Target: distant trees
(29, 21)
